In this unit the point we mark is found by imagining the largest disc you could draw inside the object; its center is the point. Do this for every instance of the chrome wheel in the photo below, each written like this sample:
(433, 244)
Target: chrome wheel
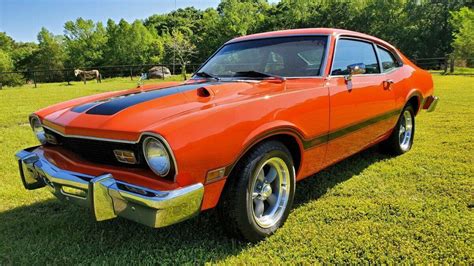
(270, 190)
(406, 130)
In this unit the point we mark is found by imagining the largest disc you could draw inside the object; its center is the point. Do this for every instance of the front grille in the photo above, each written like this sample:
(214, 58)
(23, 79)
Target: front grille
(97, 151)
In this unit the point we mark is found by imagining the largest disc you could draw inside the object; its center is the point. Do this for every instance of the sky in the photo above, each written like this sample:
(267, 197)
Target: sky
(23, 19)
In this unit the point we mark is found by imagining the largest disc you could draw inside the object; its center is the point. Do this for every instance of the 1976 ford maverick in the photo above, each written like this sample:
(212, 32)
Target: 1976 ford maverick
(263, 112)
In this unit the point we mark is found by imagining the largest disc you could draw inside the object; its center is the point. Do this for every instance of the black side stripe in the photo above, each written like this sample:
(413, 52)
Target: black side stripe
(319, 140)
(316, 141)
(116, 104)
(352, 128)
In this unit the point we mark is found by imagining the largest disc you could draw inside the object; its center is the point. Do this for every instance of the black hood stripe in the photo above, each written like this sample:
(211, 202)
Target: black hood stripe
(116, 104)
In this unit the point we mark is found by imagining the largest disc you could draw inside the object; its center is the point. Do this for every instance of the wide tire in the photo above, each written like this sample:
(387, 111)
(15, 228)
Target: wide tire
(259, 194)
(401, 139)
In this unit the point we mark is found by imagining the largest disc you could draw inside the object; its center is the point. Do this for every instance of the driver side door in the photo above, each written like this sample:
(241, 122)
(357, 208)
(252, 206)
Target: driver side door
(361, 109)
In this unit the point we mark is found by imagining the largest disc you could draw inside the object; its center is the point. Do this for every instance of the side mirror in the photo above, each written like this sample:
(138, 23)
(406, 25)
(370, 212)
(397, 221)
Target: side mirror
(355, 69)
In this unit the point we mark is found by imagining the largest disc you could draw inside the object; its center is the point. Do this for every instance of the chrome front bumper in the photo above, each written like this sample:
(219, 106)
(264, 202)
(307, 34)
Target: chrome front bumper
(107, 197)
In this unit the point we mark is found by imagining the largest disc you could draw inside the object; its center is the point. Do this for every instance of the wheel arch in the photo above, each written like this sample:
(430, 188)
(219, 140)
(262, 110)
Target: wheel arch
(415, 98)
(290, 137)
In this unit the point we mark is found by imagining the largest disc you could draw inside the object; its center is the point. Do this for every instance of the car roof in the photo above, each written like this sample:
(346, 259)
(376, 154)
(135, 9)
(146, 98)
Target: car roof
(311, 31)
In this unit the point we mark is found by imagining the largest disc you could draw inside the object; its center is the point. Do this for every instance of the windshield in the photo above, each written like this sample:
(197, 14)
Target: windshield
(285, 57)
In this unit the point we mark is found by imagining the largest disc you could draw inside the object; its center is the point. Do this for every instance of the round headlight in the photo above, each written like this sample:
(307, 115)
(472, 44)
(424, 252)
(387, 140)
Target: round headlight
(38, 129)
(156, 156)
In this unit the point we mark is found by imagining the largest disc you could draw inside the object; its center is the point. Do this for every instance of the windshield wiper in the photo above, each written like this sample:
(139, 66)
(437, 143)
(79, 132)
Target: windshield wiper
(206, 75)
(256, 74)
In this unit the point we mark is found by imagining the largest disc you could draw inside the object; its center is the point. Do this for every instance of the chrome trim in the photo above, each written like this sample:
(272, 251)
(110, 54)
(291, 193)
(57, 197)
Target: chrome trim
(143, 134)
(167, 146)
(92, 138)
(121, 156)
(433, 104)
(272, 186)
(374, 45)
(146, 157)
(322, 70)
(42, 137)
(405, 131)
(108, 197)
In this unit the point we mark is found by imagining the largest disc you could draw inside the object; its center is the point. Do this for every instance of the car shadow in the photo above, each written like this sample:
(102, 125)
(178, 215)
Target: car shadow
(52, 232)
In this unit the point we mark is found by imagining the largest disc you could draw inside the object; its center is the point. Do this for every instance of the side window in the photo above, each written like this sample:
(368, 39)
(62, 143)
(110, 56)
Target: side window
(387, 59)
(350, 52)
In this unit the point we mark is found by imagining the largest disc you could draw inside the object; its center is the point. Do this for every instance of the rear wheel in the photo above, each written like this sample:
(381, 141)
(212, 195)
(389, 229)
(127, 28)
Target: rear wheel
(401, 139)
(260, 194)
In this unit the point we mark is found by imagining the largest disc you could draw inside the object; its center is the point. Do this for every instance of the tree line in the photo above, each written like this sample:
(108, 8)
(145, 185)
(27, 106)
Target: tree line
(419, 28)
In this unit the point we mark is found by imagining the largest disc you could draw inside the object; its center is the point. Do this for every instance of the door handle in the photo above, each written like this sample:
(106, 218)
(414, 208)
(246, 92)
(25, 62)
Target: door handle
(387, 84)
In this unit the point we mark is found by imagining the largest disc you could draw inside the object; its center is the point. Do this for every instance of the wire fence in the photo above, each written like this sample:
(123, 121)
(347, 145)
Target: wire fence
(34, 76)
(446, 64)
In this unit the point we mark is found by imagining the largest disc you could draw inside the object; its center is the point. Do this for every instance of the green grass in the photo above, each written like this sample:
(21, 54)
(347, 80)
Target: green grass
(369, 208)
(464, 70)
(457, 71)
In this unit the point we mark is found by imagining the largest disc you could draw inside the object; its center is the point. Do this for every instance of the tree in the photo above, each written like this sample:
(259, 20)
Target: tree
(463, 43)
(178, 45)
(131, 44)
(22, 55)
(84, 41)
(49, 55)
(240, 17)
(6, 42)
(6, 65)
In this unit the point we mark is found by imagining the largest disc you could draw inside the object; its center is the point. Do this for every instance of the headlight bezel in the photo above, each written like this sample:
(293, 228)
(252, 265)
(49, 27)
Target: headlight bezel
(38, 129)
(171, 169)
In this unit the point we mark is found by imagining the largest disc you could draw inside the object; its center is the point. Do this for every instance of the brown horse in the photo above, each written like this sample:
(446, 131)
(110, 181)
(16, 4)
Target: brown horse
(88, 75)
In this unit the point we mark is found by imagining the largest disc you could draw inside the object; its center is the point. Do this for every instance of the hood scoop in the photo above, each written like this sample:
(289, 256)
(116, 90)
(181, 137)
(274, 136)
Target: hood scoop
(204, 92)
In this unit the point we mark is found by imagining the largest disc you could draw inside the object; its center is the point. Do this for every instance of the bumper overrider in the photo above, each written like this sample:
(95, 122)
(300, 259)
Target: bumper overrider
(107, 197)
(430, 103)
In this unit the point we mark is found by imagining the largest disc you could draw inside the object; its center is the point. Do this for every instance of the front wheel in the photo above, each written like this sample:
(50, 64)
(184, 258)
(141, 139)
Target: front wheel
(401, 139)
(260, 194)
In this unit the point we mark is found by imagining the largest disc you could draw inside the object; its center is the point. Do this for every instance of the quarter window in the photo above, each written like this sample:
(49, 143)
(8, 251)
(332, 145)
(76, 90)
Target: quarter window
(350, 52)
(387, 59)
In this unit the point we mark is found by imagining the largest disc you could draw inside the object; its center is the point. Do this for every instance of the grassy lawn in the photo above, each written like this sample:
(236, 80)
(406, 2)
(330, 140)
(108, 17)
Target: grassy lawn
(457, 71)
(369, 208)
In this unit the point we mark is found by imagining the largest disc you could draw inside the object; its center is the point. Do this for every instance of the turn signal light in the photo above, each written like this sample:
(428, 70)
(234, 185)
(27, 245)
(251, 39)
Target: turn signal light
(215, 174)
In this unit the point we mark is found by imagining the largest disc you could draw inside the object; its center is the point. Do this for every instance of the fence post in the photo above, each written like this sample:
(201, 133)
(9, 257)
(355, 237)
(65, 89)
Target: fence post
(67, 77)
(162, 72)
(131, 74)
(446, 58)
(34, 77)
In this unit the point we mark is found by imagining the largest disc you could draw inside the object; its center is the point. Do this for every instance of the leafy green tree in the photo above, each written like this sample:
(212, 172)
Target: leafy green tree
(50, 53)
(179, 47)
(84, 42)
(22, 55)
(463, 43)
(240, 17)
(6, 65)
(131, 44)
(50, 56)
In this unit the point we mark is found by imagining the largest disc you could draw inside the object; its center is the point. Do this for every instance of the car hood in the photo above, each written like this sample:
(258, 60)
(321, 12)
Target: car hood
(125, 115)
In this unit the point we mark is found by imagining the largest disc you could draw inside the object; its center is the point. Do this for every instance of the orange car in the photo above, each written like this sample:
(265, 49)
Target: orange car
(263, 112)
